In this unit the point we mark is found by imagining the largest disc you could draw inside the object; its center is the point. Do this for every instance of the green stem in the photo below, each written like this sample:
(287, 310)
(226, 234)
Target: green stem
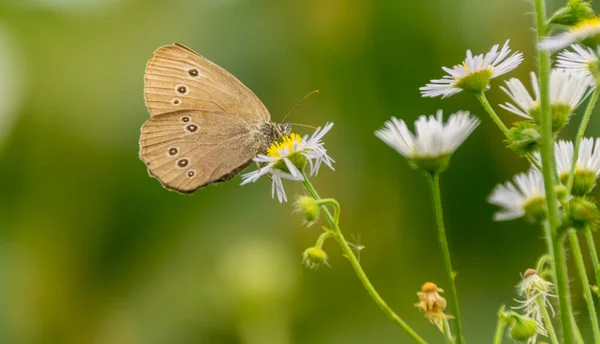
(500, 327)
(547, 320)
(488, 108)
(434, 183)
(587, 292)
(547, 149)
(548, 170)
(447, 331)
(349, 254)
(589, 238)
(580, 132)
(321, 240)
(578, 336)
(559, 273)
(562, 289)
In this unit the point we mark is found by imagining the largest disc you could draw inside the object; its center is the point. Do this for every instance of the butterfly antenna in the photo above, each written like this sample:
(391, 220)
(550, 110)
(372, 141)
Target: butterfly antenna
(304, 125)
(300, 102)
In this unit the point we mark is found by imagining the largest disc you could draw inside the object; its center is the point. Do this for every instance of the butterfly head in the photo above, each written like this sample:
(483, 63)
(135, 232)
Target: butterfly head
(283, 129)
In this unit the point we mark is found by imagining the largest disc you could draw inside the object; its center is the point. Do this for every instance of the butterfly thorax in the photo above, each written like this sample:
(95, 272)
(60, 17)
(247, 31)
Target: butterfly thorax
(270, 132)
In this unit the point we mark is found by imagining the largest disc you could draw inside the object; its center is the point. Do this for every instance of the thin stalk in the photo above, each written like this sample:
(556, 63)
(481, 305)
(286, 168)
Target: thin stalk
(589, 238)
(548, 170)
(578, 336)
(559, 268)
(547, 149)
(547, 321)
(587, 292)
(562, 289)
(349, 254)
(488, 108)
(580, 132)
(500, 327)
(434, 184)
(447, 331)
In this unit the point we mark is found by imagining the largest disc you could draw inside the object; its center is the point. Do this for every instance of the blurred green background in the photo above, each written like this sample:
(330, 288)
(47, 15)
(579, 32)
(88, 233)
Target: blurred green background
(93, 250)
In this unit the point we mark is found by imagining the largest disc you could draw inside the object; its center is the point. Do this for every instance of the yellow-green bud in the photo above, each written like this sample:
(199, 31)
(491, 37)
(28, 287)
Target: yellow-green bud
(582, 212)
(433, 165)
(524, 137)
(535, 209)
(522, 329)
(313, 257)
(574, 12)
(475, 82)
(561, 193)
(560, 115)
(309, 208)
(583, 182)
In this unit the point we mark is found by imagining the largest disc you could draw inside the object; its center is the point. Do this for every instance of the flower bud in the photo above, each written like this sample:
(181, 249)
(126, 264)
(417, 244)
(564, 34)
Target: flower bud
(583, 182)
(313, 257)
(561, 193)
(524, 137)
(582, 213)
(522, 329)
(476, 82)
(574, 12)
(560, 115)
(433, 165)
(309, 208)
(535, 209)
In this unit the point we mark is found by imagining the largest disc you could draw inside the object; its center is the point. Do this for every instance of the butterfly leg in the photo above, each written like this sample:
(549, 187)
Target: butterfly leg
(259, 166)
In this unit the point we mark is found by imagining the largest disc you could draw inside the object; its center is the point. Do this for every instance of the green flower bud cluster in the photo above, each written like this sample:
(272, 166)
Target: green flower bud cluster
(524, 137)
(313, 257)
(581, 213)
(572, 13)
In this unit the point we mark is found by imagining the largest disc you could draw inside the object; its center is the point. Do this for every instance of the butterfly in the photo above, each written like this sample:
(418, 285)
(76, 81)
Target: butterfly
(205, 125)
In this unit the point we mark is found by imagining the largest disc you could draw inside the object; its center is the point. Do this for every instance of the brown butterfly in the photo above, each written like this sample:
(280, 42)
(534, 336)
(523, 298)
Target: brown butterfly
(205, 125)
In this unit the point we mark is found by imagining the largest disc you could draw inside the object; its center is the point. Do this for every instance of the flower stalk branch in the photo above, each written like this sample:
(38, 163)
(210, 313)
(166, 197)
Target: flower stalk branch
(593, 253)
(434, 184)
(349, 254)
(587, 291)
(488, 108)
(548, 171)
(547, 321)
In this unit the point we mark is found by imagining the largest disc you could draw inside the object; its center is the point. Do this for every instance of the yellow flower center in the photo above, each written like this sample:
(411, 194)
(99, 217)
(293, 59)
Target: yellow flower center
(586, 24)
(287, 141)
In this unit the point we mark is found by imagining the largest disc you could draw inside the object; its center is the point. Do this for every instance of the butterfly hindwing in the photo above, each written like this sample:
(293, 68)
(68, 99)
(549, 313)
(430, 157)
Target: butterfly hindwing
(189, 149)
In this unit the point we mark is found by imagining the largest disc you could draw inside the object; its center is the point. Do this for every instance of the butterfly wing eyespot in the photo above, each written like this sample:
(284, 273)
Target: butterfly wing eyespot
(199, 85)
(218, 147)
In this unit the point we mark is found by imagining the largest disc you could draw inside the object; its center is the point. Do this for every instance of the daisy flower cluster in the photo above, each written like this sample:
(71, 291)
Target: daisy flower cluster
(287, 158)
(552, 193)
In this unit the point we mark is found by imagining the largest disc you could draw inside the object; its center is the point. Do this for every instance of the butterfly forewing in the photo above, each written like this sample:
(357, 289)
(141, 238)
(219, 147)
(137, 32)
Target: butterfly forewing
(189, 149)
(179, 79)
(205, 125)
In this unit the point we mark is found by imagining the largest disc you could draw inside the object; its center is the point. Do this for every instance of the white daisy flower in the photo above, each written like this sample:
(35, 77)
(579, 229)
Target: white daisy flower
(576, 33)
(474, 73)
(433, 141)
(580, 60)
(587, 168)
(526, 198)
(567, 91)
(286, 158)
